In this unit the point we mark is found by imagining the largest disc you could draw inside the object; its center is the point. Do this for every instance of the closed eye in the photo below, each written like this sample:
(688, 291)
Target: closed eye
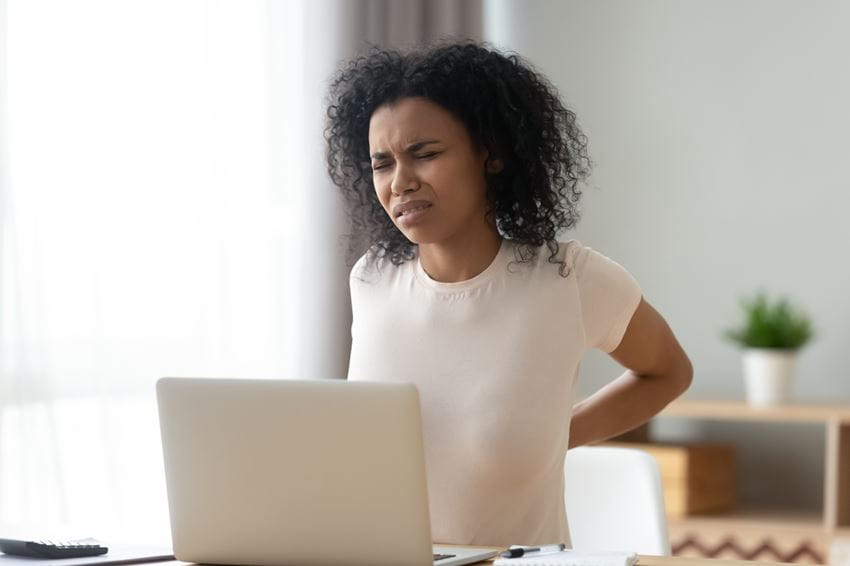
(421, 156)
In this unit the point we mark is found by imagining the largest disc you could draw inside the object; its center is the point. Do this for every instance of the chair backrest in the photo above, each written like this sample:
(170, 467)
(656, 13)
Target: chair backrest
(615, 501)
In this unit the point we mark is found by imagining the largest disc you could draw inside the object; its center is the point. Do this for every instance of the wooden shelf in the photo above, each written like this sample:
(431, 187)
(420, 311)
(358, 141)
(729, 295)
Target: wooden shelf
(819, 528)
(778, 519)
(754, 534)
(740, 411)
(834, 418)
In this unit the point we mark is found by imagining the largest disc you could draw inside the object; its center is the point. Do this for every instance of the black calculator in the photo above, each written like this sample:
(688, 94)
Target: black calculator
(51, 548)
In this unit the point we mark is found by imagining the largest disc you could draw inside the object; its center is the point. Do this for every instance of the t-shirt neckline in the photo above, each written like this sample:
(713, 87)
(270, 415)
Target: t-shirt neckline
(498, 262)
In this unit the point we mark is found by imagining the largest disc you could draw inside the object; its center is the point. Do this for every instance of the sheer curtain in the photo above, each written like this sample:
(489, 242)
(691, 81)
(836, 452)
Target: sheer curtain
(145, 232)
(164, 210)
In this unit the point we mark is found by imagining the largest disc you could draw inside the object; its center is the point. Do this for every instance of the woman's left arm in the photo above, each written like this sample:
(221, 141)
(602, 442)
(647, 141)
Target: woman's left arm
(658, 372)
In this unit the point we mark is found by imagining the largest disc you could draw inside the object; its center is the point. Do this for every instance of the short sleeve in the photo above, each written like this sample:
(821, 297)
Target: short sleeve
(609, 296)
(365, 270)
(358, 269)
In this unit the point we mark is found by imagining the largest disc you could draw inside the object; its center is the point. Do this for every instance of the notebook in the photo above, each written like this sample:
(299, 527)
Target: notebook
(572, 558)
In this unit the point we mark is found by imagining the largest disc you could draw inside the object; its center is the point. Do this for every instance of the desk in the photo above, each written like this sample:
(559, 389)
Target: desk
(683, 561)
(643, 560)
(646, 560)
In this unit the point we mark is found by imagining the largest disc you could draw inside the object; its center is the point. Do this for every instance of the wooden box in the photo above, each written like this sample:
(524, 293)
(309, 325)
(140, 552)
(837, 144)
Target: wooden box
(697, 478)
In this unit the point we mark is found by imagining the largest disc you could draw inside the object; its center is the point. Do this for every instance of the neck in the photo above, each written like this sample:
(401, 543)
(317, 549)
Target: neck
(451, 262)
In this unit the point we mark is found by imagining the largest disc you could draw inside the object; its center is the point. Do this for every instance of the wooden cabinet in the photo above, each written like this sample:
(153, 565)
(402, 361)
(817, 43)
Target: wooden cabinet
(698, 478)
(775, 533)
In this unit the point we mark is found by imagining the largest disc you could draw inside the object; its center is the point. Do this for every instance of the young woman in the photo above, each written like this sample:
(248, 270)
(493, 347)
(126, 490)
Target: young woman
(460, 166)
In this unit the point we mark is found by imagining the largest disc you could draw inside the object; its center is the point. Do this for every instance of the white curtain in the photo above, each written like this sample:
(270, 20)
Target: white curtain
(146, 231)
(164, 210)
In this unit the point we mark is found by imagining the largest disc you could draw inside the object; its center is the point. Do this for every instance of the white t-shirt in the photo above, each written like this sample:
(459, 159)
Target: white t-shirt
(495, 359)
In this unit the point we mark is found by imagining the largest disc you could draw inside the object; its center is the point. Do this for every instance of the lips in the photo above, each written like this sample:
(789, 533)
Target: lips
(410, 207)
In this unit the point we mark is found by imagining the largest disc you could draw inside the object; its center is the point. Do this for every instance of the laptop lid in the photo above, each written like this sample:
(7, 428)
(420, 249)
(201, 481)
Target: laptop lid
(270, 472)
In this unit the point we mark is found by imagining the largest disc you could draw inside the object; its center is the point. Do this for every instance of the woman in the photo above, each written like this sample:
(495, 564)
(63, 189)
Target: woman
(460, 166)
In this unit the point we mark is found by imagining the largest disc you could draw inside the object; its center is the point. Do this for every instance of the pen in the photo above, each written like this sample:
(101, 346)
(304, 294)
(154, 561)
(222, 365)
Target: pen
(522, 551)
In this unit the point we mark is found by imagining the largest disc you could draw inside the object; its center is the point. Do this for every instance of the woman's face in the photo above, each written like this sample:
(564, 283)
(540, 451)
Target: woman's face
(427, 173)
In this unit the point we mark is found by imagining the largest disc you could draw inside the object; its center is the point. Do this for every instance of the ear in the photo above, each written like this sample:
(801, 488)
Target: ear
(491, 164)
(494, 165)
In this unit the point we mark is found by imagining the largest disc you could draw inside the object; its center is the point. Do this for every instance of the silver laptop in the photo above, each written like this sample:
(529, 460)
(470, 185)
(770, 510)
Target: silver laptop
(285, 472)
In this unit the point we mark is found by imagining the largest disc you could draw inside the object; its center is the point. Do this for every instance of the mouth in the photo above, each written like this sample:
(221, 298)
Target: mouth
(411, 213)
(410, 208)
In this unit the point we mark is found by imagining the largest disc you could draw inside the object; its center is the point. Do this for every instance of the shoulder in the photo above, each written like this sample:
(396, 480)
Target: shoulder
(373, 267)
(573, 250)
(365, 267)
(580, 256)
(574, 259)
(595, 270)
(561, 257)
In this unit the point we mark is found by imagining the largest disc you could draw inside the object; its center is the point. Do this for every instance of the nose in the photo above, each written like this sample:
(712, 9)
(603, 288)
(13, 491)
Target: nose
(404, 180)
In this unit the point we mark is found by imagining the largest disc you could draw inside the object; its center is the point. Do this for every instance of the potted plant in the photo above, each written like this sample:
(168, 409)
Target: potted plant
(771, 336)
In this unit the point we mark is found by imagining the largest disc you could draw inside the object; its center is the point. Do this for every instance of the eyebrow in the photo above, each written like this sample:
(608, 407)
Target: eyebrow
(411, 148)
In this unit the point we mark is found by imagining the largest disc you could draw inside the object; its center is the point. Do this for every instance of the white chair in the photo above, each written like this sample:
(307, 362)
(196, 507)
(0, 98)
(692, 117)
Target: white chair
(615, 501)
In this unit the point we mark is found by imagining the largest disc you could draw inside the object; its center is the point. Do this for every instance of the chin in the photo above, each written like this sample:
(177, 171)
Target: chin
(419, 236)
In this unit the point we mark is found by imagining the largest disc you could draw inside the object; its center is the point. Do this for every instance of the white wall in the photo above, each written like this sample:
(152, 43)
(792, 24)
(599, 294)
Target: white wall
(720, 130)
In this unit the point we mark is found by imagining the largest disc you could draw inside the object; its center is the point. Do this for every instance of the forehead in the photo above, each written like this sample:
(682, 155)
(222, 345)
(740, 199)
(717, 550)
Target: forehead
(405, 121)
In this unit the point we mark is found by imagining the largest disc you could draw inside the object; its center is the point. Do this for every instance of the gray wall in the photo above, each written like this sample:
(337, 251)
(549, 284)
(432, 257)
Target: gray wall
(720, 131)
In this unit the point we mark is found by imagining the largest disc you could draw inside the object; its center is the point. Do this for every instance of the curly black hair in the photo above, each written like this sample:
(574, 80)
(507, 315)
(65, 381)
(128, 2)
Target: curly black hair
(507, 107)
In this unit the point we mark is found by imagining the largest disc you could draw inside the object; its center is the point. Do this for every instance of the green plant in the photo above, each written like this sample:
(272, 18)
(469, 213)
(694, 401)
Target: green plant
(769, 325)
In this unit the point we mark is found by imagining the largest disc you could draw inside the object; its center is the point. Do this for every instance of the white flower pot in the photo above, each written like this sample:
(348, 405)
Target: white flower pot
(768, 375)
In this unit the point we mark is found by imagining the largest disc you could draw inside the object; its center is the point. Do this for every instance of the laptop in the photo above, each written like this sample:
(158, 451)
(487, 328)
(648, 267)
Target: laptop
(291, 472)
